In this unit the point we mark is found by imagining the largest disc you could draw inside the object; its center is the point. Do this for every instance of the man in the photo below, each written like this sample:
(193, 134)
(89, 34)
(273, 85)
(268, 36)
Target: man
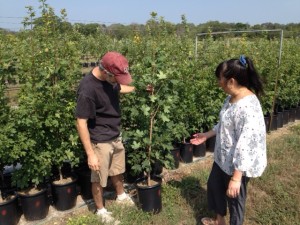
(98, 124)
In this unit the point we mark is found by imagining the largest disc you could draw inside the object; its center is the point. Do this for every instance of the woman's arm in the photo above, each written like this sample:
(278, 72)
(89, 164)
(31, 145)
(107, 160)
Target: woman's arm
(202, 137)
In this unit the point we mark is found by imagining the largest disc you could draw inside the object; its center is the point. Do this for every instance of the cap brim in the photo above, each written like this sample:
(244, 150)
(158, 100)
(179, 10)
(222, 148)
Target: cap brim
(124, 78)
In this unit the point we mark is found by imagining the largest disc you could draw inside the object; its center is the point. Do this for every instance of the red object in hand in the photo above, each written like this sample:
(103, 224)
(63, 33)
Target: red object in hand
(150, 88)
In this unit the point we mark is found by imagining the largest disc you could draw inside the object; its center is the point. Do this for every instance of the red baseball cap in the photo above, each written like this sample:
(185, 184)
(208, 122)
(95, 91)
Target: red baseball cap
(117, 64)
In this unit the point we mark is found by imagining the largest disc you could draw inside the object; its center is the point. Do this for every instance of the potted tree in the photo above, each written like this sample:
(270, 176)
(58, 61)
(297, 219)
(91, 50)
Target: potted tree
(146, 115)
(148, 145)
(9, 210)
(65, 152)
(46, 134)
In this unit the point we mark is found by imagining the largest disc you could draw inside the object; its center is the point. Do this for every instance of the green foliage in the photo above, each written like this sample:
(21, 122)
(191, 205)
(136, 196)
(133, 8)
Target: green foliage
(7, 74)
(46, 134)
(289, 89)
(149, 124)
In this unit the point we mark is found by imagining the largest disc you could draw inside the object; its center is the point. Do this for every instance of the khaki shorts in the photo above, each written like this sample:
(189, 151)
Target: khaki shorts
(111, 157)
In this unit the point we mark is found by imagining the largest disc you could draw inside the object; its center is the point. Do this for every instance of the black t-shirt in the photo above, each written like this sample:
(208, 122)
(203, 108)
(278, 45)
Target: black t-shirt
(98, 101)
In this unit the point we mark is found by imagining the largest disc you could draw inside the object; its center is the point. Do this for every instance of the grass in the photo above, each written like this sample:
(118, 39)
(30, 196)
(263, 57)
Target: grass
(273, 199)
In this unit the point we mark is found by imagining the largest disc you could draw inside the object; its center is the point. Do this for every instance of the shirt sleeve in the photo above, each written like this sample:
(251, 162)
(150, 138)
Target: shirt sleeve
(250, 135)
(85, 108)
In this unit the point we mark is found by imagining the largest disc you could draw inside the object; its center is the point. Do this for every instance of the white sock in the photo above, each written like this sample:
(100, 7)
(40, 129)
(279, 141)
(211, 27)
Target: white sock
(122, 196)
(101, 211)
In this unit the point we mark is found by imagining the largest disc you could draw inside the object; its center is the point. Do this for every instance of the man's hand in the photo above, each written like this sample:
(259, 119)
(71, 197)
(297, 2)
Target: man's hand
(126, 89)
(93, 162)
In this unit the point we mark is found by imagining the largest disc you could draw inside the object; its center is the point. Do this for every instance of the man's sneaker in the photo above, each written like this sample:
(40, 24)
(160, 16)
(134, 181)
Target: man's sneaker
(128, 201)
(107, 218)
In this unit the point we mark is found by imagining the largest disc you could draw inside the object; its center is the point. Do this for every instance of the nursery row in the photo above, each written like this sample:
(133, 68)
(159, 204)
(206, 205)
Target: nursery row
(61, 193)
(40, 132)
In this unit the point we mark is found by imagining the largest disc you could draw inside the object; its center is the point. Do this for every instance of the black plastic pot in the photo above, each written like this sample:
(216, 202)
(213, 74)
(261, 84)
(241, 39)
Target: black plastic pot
(199, 150)
(292, 114)
(186, 152)
(273, 123)
(35, 206)
(149, 196)
(9, 212)
(267, 123)
(64, 195)
(176, 156)
(286, 116)
(85, 64)
(279, 119)
(210, 144)
(298, 113)
(84, 183)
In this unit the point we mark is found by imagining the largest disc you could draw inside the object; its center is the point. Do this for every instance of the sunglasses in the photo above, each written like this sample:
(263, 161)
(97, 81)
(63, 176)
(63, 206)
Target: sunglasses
(106, 71)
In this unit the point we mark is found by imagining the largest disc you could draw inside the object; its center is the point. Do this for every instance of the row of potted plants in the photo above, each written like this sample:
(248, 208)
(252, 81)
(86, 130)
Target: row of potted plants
(39, 133)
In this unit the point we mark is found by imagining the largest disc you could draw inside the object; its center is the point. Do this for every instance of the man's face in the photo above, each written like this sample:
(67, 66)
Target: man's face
(110, 78)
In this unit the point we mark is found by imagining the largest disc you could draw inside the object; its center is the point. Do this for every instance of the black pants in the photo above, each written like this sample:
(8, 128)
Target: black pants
(217, 199)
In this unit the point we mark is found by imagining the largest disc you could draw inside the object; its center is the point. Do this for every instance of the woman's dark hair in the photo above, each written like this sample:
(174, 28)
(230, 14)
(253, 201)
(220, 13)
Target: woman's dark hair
(243, 71)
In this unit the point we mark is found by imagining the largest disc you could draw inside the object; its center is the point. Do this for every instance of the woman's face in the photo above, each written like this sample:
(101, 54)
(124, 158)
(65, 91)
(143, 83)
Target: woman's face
(226, 85)
(223, 83)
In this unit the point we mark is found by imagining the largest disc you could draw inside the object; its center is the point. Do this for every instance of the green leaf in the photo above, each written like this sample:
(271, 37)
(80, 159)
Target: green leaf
(161, 75)
(153, 98)
(146, 110)
(136, 145)
(164, 118)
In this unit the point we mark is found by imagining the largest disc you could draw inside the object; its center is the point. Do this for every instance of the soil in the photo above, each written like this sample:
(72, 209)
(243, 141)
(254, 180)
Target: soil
(145, 183)
(29, 191)
(82, 207)
(6, 199)
(63, 181)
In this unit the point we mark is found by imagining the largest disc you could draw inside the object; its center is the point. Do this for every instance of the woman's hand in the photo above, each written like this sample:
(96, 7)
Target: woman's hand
(198, 138)
(233, 189)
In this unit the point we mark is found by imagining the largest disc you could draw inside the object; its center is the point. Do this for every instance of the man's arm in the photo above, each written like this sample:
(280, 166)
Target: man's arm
(126, 89)
(86, 141)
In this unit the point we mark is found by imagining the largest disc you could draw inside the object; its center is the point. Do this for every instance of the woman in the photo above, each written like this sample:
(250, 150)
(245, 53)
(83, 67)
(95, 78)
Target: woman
(240, 148)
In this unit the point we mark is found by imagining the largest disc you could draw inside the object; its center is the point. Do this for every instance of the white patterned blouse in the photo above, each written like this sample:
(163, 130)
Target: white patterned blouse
(241, 137)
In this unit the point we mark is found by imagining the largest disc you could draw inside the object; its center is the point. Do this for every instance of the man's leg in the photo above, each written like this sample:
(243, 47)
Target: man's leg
(122, 197)
(97, 192)
(118, 183)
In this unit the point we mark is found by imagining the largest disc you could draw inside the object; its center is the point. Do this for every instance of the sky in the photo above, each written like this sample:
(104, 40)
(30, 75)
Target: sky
(127, 12)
